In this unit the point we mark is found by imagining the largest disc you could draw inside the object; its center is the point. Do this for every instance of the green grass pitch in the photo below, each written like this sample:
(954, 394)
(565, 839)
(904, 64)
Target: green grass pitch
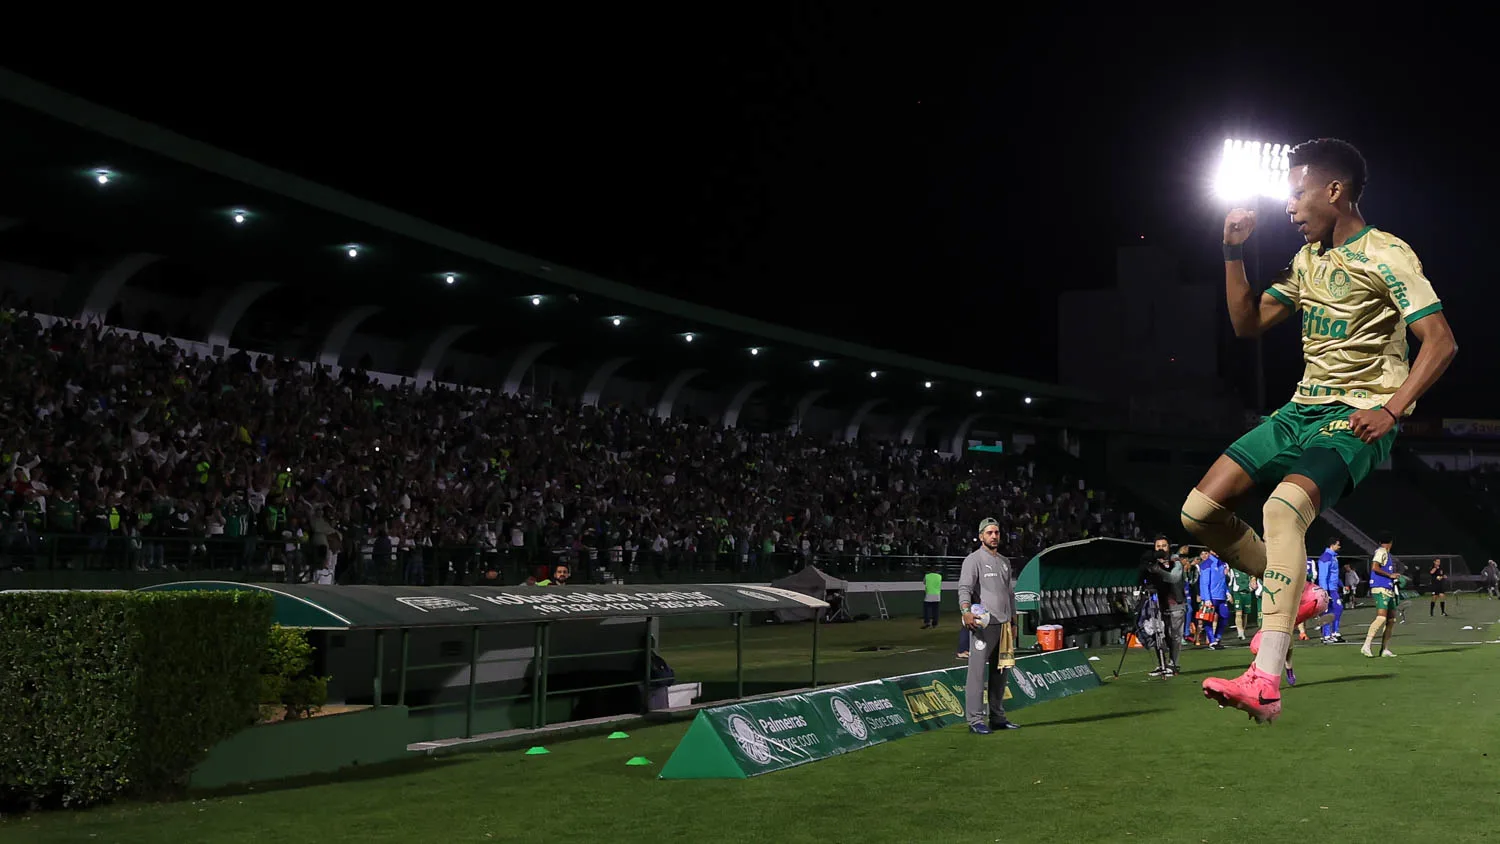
(1402, 749)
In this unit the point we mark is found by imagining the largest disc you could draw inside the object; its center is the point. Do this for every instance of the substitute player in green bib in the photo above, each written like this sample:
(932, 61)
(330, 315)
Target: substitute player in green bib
(1358, 291)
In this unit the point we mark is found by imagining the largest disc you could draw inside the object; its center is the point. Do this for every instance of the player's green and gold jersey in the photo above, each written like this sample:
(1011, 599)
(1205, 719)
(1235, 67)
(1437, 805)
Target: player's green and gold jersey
(1239, 582)
(1356, 301)
(1381, 559)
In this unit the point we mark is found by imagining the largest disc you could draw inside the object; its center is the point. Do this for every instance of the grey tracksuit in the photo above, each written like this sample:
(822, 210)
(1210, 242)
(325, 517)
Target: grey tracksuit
(986, 578)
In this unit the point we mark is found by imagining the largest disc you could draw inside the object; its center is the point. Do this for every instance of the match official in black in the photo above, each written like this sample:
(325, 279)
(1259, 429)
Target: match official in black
(986, 579)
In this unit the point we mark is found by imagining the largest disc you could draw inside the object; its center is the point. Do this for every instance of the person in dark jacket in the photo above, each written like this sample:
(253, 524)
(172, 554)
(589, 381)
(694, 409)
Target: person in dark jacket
(1163, 570)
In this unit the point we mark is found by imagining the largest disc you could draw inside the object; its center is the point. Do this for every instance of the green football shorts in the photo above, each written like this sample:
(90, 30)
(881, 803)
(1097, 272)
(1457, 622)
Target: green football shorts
(1312, 440)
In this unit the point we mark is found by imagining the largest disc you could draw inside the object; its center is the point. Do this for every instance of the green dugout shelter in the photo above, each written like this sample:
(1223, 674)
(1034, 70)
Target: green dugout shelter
(403, 607)
(1076, 565)
(468, 660)
(1101, 562)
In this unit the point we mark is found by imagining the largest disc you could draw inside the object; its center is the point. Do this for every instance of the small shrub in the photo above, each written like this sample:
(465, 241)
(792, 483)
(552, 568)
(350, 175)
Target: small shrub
(288, 688)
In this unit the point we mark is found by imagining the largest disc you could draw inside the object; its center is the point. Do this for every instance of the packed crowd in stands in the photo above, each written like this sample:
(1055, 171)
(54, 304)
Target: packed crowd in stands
(120, 452)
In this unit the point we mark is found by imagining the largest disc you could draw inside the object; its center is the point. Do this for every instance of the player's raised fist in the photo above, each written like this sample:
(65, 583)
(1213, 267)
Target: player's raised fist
(1238, 226)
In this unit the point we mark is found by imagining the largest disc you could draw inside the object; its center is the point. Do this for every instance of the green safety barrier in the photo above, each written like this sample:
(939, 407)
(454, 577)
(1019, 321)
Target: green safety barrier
(742, 740)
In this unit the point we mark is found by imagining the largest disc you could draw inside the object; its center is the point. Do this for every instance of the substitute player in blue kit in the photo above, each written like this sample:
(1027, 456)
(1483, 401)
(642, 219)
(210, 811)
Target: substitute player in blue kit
(1328, 578)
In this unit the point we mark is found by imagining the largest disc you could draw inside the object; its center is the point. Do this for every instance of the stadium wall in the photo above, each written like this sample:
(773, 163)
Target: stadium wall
(318, 745)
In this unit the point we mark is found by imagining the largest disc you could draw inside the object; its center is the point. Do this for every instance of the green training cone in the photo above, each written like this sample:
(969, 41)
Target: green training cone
(537, 751)
(617, 734)
(638, 760)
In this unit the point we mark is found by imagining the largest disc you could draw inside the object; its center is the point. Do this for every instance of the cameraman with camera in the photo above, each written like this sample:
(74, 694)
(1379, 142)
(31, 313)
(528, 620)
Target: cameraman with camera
(1163, 572)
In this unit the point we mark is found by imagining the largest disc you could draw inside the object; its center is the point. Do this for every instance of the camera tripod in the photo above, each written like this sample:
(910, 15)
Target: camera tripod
(1135, 622)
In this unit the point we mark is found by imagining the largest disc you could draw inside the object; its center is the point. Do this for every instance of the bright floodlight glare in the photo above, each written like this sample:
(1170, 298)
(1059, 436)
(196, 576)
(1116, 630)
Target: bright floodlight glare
(1028, 399)
(1251, 169)
(616, 320)
(239, 216)
(754, 352)
(817, 363)
(450, 278)
(353, 252)
(536, 300)
(979, 394)
(927, 384)
(874, 374)
(688, 337)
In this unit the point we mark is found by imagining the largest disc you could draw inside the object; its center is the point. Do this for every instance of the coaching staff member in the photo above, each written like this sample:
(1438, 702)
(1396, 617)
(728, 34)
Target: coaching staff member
(987, 577)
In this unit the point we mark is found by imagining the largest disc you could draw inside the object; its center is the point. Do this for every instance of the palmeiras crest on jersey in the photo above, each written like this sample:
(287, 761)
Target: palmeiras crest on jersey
(1338, 284)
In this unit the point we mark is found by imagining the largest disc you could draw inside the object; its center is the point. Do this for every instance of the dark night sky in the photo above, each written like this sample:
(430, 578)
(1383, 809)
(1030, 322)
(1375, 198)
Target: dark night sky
(920, 183)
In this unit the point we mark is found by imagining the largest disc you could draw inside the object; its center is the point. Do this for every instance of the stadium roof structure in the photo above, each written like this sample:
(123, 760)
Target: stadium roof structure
(145, 206)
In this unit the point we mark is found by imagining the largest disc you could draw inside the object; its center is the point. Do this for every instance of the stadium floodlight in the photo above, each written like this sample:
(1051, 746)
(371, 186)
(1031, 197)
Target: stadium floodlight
(979, 394)
(874, 374)
(1251, 170)
(450, 278)
(816, 364)
(353, 250)
(927, 385)
(615, 321)
(688, 337)
(536, 301)
(754, 351)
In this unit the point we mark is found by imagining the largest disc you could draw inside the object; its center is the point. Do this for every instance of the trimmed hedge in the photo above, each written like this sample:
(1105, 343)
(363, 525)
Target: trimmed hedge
(107, 694)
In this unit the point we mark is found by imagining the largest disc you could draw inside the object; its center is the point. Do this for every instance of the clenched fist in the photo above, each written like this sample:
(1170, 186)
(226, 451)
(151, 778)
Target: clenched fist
(1238, 226)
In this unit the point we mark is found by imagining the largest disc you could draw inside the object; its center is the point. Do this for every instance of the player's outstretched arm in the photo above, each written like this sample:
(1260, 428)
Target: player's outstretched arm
(1252, 316)
(1438, 350)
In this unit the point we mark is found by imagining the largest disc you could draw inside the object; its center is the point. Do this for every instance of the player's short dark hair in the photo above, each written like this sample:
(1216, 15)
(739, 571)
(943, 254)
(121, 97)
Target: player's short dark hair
(1337, 158)
(1384, 539)
(1331, 540)
(1160, 536)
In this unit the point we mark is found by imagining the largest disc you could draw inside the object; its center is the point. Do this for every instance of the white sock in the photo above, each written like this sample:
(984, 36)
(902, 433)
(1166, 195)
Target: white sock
(1273, 648)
